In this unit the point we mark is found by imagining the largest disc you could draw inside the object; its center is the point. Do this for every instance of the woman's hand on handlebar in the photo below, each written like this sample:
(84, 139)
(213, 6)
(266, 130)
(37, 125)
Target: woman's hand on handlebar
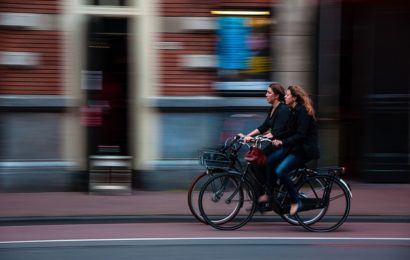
(277, 143)
(246, 138)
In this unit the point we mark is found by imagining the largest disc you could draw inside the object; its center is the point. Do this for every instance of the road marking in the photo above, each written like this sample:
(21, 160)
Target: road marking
(209, 238)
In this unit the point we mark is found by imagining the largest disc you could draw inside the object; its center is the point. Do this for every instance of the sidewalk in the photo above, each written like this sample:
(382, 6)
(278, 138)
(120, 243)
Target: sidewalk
(368, 200)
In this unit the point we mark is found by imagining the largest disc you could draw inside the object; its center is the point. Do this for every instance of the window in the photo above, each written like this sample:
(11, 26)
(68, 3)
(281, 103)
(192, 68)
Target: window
(108, 2)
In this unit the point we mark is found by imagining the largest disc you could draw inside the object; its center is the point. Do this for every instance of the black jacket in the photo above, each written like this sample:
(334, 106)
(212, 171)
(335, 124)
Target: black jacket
(278, 122)
(303, 137)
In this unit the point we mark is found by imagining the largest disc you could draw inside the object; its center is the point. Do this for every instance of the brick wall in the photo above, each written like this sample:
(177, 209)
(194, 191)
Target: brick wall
(175, 79)
(31, 6)
(203, 7)
(45, 77)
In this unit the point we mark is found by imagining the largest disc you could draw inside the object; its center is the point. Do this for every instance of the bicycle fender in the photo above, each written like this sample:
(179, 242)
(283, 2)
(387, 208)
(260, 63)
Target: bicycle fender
(234, 172)
(347, 187)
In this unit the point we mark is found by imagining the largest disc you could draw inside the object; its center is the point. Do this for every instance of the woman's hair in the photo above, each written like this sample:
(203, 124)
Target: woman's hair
(303, 98)
(278, 89)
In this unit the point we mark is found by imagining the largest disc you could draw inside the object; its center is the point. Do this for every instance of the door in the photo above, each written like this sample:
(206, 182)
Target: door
(105, 82)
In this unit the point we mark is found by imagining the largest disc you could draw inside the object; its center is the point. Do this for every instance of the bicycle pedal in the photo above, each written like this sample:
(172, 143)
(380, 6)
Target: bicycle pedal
(264, 207)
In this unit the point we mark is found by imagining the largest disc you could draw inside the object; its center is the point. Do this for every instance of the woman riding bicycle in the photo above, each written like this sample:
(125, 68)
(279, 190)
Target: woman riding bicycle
(276, 123)
(298, 147)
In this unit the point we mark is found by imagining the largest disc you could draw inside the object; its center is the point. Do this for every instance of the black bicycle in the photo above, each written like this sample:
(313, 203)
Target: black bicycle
(228, 199)
(228, 158)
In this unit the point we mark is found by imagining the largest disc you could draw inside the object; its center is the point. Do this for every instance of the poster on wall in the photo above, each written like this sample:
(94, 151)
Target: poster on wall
(243, 51)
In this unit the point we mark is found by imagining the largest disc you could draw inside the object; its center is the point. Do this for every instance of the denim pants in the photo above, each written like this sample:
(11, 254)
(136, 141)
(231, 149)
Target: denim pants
(280, 164)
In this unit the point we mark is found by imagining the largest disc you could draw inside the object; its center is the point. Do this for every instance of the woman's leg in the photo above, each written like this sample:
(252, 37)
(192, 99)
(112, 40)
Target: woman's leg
(272, 160)
(283, 169)
(259, 172)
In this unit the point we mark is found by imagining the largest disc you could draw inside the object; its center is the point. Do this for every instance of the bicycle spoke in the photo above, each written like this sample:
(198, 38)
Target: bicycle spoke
(336, 197)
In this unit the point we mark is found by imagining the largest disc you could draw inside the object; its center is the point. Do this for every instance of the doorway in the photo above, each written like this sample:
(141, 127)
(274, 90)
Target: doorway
(105, 83)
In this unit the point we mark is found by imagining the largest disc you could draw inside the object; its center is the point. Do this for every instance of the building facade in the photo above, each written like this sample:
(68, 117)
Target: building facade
(144, 84)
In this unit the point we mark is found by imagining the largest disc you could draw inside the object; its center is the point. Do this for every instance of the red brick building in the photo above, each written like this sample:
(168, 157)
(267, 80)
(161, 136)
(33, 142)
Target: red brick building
(151, 82)
(32, 48)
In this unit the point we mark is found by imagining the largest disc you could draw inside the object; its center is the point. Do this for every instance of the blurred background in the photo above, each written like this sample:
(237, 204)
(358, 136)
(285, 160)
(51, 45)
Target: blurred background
(116, 95)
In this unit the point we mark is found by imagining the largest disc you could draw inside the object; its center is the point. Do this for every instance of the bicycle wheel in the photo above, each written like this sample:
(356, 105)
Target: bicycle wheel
(224, 204)
(193, 194)
(335, 207)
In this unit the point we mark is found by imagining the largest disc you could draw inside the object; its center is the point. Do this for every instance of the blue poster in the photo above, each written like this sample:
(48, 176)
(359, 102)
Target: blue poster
(233, 50)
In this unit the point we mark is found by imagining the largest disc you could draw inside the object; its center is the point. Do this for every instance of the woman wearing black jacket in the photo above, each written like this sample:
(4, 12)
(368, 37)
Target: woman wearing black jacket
(275, 124)
(278, 116)
(298, 146)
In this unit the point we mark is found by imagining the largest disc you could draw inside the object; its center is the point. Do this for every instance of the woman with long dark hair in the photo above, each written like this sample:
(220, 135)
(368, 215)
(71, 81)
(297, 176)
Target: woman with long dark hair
(296, 148)
(274, 126)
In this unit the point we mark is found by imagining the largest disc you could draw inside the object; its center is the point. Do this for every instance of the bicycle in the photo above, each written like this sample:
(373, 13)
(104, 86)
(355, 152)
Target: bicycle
(227, 159)
(228, 200)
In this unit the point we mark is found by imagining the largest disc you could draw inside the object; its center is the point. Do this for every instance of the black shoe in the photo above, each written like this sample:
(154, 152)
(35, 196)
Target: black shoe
(263, 207)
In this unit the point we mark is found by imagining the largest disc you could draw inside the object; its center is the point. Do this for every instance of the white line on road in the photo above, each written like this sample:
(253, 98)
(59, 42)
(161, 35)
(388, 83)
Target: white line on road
(209, 238)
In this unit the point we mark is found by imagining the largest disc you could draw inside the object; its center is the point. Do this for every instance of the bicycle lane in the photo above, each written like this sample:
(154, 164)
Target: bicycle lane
(197, 230)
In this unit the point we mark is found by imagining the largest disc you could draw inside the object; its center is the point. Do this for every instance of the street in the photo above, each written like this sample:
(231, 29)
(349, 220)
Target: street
(227, 248)
(257, 240)
(158, 225)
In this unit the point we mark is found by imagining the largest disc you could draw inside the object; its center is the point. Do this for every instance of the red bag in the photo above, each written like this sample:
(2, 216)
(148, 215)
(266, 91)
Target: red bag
(255, 156)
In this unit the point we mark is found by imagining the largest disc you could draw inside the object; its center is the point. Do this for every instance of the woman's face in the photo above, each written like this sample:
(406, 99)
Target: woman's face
(271, 96)
(289, 99)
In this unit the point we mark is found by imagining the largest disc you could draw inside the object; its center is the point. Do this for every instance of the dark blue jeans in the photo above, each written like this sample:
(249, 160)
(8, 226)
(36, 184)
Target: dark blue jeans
(280, 164)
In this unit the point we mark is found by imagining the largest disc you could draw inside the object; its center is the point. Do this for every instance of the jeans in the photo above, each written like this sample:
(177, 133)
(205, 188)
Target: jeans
(280, 164)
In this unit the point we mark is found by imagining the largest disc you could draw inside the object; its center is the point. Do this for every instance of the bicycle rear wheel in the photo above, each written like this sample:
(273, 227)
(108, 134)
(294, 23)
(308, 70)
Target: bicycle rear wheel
(331, 211)
(224, 204)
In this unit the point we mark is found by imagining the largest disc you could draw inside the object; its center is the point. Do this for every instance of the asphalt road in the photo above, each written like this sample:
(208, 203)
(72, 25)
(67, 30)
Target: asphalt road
(207, 248)
(192, 240)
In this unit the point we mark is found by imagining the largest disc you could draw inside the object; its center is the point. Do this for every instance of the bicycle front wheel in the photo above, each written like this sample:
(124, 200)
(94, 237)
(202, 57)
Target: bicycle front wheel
(193, 194)
(223, 203)
(327, 198)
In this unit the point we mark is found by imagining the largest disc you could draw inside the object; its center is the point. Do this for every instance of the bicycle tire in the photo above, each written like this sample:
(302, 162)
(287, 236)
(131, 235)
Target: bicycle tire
(222, 202)
(193, 194)
(336, 209)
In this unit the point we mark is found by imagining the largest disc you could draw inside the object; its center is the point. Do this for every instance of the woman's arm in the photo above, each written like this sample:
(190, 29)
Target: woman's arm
(249, 136)
(280, 126)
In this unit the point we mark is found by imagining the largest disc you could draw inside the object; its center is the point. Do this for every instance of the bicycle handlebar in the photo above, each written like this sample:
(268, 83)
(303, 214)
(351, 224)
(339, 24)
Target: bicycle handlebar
(237, 139)
(255, 139)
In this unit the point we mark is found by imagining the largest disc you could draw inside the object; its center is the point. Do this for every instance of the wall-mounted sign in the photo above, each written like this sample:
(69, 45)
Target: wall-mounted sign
(18, 58)
(233, 50)
(243, 50)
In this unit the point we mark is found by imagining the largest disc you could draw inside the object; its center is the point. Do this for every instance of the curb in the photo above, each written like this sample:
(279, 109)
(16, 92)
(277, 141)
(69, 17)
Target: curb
(66, 220)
